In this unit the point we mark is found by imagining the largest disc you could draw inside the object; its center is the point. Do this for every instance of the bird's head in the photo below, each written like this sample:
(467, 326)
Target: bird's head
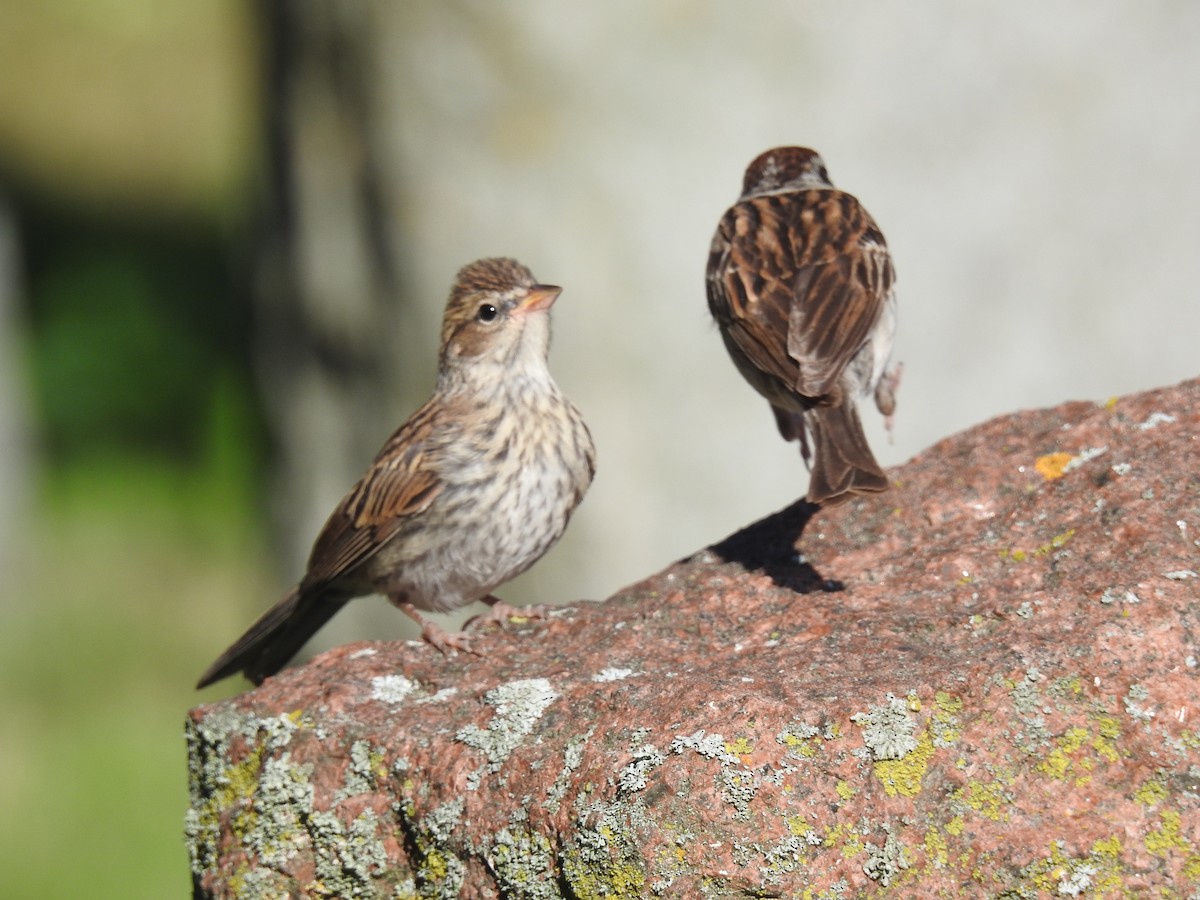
(497, 322)
(785, 169)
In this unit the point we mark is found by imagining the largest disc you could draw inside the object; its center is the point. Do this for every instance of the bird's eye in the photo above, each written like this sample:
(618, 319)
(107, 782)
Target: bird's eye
(487, 313)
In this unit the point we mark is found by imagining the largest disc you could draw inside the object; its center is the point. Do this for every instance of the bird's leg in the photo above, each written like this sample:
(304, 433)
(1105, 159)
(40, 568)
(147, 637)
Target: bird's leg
(500, 612)
(885, 396)
(433, 633)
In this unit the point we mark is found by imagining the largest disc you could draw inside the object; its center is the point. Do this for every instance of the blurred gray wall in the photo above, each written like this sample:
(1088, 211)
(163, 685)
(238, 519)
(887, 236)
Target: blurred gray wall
(1033, 170)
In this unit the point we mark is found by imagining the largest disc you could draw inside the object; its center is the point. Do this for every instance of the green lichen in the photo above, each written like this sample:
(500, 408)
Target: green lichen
(602, 859)
(220, 787)
(1096, 874)
(740, 747)
(438, 872)
(937, 851)
(523, 863)
(348, 858)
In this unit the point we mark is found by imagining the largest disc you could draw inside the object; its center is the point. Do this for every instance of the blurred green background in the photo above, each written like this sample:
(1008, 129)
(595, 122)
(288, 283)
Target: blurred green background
(133, 446)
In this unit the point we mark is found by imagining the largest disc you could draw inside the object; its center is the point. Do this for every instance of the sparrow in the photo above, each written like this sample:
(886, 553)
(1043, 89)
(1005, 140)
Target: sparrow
(799, 281)
(467, 494)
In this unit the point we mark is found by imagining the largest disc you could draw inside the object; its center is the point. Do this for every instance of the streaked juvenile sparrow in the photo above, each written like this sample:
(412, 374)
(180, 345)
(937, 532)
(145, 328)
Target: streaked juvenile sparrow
(465, 495)
(800, 283)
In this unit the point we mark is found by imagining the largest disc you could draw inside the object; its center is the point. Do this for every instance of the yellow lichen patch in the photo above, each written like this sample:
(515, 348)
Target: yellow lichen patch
(1058, 763)
(797, 825)
(947, 703)
(936, 850)
(989, 800)
(1108, 848)
(1059, 540)
(741, 747)
(1152, 793)
(1052, 465)
(902, 777)
(955, 826)
(850, 843)
(844, 790)
(1109, 730)
(1191, 868)
(240, 781)
(1163, 840)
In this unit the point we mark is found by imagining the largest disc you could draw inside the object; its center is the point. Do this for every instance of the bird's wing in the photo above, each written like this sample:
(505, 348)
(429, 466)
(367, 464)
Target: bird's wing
(843, 272)
(400, 483)
(749, 287)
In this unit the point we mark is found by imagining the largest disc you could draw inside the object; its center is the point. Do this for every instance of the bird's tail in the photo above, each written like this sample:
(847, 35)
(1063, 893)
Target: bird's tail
(276, 637)
(843, 464)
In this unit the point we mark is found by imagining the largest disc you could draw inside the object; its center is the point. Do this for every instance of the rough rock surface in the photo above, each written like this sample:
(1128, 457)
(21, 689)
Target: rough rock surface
(981, 683)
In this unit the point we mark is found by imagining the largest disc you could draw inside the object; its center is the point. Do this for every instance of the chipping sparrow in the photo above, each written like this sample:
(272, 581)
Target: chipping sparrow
(800, 283)
(465, 495)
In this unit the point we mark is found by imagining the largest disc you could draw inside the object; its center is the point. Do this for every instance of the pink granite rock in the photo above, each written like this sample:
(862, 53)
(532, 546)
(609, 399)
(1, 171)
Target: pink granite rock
(981, 683)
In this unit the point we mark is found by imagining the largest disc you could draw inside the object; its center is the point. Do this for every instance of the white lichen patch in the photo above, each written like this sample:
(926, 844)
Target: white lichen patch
(632, 777)
(612, 673)
(710, 746)
(283, 800)
(887, 729)
(1180, 575)
(524, 865)
(1155, 419)
(885, 863)
(440, 697)
(361, 776)
(1083, 456)
(348, 859)
(1116, 595)
(363, 653)
(739, 784)
(1135, 703)
(1122, 468)
(391, 688)
(572, 757)
(518, 705)
(1077, 882)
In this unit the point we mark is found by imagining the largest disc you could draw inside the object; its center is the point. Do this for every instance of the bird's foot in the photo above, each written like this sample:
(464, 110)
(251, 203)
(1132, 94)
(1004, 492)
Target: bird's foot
(448, 642)
(500, 612)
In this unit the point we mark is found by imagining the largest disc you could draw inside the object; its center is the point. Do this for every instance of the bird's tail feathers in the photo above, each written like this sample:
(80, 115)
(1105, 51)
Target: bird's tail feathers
(276, 637)
(843, 464)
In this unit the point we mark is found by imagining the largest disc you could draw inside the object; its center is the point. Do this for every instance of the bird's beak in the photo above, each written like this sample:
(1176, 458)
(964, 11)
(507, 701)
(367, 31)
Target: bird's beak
(541, 296)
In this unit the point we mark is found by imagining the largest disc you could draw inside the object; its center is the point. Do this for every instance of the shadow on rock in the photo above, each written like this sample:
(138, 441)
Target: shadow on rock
(769, 546)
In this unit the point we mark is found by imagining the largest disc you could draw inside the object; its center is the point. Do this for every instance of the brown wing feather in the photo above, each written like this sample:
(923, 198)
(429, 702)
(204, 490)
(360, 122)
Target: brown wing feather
(746, 282)
(838, 295)
(400, 483)
(788, 293)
